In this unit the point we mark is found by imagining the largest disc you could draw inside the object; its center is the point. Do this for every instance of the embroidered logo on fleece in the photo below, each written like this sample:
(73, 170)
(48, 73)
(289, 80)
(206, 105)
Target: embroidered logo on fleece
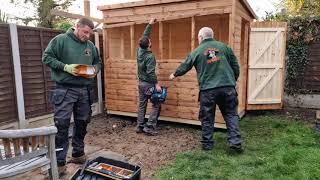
(211, 54)
(87, 52)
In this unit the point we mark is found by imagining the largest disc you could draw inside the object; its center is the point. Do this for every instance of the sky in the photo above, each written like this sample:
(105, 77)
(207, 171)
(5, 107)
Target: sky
(259, 6)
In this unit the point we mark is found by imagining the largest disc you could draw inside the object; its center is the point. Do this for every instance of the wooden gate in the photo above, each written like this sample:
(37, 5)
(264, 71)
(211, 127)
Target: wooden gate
(266, 65)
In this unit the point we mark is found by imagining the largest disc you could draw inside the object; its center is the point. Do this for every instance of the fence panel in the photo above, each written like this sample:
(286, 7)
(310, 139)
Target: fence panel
(36, 77)
(312, 74)
(8, 107)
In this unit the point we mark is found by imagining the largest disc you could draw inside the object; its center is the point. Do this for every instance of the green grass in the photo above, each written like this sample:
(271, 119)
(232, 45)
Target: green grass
(275, 148)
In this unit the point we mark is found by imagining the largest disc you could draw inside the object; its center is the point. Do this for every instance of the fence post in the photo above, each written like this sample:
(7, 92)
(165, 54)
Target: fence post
(99, 80)
(17, 75)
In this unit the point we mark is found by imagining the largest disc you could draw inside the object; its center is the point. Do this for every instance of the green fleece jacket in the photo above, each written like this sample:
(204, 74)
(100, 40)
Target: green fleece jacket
(68, 49)
(146, 62)
(215, 63)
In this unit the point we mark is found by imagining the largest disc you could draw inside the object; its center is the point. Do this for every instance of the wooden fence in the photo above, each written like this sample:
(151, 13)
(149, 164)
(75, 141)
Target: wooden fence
(311, 79)
(8, 105)
(35, 76)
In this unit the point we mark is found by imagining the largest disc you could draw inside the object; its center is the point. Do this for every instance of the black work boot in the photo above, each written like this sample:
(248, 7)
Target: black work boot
(150, 131)
(139, 129)
(78, 160)
(236, 149)
(207, 147)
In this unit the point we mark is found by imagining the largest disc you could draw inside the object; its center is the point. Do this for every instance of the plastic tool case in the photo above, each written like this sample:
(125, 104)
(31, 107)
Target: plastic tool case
(103, 168)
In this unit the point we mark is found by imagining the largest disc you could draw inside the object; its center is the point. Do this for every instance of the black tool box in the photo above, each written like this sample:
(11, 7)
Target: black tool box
(103, 168)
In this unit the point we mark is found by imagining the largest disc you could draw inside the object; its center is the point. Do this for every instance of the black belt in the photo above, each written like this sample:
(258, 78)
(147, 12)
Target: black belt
(72, 85)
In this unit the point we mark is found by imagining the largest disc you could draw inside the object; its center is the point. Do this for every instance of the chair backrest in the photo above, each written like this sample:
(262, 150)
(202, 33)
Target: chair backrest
(22, 144)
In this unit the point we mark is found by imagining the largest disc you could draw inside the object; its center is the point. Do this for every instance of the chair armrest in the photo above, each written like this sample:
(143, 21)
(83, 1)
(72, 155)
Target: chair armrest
(21, 133)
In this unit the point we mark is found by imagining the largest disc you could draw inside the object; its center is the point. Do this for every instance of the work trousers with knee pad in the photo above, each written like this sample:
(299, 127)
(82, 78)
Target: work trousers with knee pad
(144, 95)
(68, 99)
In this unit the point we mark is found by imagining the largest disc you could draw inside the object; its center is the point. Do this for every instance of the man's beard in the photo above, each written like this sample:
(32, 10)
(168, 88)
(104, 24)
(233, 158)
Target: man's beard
(82, 40)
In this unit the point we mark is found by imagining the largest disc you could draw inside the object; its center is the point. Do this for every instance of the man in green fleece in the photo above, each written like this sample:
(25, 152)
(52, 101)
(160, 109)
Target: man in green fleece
(147, 83)
(73, 93)
(217, 72)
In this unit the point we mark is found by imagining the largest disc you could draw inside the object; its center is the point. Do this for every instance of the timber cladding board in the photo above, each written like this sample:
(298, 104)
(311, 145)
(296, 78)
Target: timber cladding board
(8, 108)
(172, 38)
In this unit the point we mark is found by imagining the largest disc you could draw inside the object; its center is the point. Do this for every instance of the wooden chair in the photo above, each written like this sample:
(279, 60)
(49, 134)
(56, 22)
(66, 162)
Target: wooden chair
(24, 150)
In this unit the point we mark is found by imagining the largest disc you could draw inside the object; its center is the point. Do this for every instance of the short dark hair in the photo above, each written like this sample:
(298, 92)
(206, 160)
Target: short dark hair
(86, 21)
(144, 42)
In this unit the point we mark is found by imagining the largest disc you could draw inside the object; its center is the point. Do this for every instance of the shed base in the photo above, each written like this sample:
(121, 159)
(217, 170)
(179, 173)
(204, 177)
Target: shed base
(170, 119)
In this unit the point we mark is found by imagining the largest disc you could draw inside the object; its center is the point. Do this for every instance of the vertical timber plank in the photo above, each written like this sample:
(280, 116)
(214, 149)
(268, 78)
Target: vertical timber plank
(193, 33)
(232, 23)
(25, 145)
(122, 45)
(99, 78)
(42, 140)
(16, 146)
(34, 142)
(86, 5)
(161, 39)
(246, 58)
(132, 47)
(105, 57)
(7, 148)
(170, 41)
(105, 45)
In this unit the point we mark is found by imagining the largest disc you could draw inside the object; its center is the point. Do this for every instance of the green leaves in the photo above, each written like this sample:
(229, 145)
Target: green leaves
(3, 17)
(63, 25)
(302, 31)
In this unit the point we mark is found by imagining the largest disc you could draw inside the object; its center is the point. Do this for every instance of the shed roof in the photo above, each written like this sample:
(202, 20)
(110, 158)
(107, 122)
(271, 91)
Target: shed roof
(155, 2)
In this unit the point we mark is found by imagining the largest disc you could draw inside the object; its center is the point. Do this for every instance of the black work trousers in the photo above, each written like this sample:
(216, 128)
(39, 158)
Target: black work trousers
(68, 100)
(227, 100)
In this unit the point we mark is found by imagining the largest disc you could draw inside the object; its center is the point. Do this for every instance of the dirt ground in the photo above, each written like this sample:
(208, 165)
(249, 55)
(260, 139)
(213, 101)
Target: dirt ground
(117, 134)
(295, 114)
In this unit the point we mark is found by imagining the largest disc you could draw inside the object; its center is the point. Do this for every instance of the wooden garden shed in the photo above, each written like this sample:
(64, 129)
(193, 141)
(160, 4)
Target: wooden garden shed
(173, 37)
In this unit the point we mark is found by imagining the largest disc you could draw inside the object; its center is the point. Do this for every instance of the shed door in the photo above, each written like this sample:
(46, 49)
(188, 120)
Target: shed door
(266, 68)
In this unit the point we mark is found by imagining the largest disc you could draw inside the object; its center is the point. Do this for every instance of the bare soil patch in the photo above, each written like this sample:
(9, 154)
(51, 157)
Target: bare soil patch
(117, 134)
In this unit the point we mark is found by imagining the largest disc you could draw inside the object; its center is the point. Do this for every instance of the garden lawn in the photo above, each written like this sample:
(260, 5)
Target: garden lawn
(275, 148)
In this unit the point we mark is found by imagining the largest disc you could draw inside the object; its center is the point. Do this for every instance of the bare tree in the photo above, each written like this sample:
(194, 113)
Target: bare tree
(43, 16)
(3, 17)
